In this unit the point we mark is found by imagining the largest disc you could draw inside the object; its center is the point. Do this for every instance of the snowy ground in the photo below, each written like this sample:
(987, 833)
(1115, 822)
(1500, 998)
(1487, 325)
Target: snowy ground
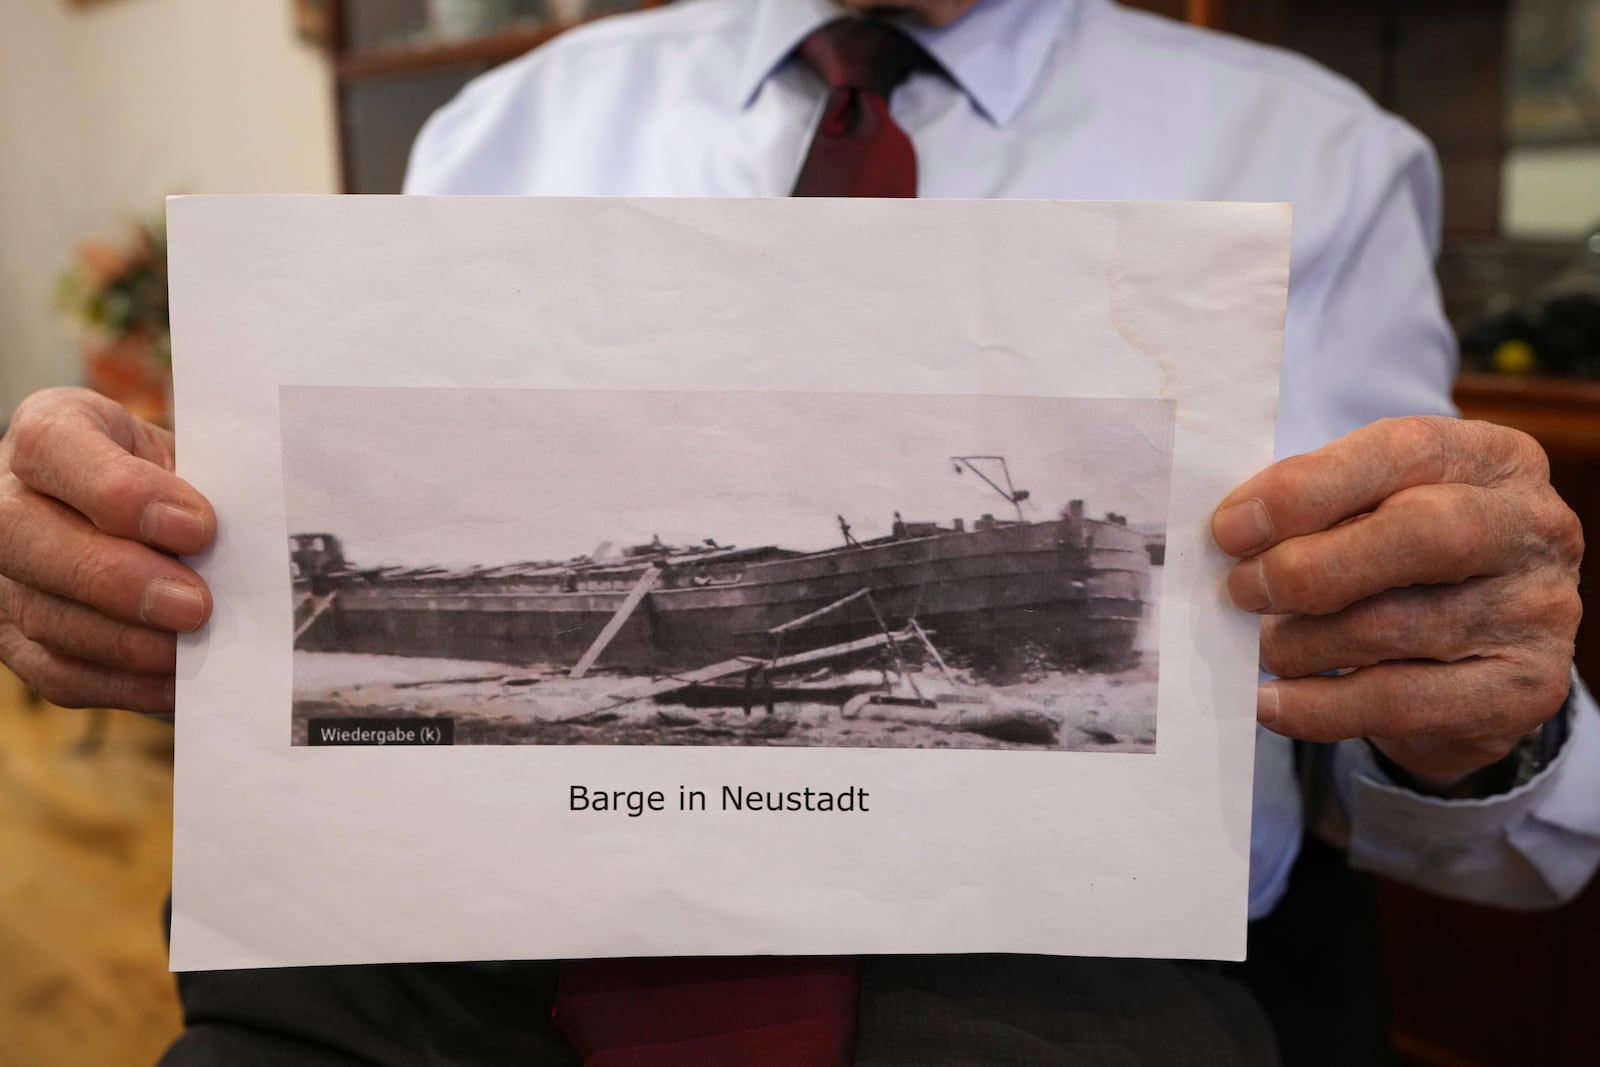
(510, 705)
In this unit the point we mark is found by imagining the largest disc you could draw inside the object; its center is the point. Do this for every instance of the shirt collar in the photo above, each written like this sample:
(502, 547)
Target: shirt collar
(995, 53)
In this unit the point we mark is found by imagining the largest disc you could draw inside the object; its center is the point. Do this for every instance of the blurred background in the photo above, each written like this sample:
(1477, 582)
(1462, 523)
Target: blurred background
(108, 106)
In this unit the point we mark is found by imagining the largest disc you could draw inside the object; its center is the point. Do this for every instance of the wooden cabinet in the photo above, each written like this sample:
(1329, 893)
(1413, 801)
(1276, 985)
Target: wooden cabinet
(1471, 986)
(397, 61)
(1439, 64)
(1478, 987)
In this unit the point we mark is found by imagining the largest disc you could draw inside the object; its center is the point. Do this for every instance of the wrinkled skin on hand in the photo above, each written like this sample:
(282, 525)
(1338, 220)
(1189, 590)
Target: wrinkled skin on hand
(1430, 561)
(91, 519)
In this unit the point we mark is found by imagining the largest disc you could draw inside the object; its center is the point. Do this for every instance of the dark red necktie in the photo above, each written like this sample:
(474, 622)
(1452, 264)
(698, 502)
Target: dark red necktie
(762, 1011)
(738, 1011)
(858, 149)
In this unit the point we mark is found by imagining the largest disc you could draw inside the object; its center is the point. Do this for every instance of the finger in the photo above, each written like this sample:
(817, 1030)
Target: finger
(74, 683)
(1486, 700)
(1482, 617)
(50, 547)
(1425, 535)
(115, 470)
(1312, 492)
(77, 631)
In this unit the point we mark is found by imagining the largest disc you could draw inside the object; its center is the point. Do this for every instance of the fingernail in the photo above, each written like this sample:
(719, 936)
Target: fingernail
(1267, 704)
(1247, 586)
(170, 526)
(172, 605)
(1242, 528)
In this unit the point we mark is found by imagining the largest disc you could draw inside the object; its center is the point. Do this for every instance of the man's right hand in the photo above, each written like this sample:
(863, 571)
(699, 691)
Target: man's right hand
(91, 517)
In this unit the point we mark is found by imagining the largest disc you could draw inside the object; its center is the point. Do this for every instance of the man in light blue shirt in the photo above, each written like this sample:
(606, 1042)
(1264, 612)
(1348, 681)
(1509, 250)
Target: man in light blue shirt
(1453, 598)
(1081, 99)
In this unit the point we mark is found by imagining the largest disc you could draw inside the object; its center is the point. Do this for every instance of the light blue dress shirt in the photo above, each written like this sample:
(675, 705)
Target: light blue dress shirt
(1083, 100)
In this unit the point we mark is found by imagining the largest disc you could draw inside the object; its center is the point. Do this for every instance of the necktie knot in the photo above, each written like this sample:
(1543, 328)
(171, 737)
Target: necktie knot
(861, 53)
(858, 149)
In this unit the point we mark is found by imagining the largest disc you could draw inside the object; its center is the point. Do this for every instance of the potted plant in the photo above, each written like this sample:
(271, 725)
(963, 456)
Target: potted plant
(116, 296)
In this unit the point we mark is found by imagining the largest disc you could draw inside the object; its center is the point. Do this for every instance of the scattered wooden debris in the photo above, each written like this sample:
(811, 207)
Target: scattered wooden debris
(1017, 725)
(647, 581)
(318, 606)
(742, 665)
(464, 679)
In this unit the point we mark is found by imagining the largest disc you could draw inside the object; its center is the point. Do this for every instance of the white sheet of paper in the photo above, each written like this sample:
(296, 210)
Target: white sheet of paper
(468, 383)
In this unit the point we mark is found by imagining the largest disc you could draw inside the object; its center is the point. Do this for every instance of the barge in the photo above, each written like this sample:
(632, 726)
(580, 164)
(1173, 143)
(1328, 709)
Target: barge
(1063, 593)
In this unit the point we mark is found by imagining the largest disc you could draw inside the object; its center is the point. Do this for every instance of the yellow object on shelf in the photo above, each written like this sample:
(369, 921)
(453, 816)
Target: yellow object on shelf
(1515, 357)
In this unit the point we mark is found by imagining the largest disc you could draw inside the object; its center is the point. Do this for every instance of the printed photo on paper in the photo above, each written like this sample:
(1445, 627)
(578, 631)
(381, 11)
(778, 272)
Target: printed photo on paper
(531, 567)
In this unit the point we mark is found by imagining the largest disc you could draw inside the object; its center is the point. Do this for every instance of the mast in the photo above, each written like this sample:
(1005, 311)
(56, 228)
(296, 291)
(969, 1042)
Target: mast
(1013, 495)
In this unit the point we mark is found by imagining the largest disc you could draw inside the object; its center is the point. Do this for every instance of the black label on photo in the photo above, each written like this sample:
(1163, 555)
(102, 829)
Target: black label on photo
(378, 732)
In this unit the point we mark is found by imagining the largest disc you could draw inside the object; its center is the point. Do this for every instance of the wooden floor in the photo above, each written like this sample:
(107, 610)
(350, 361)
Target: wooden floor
(85, 862)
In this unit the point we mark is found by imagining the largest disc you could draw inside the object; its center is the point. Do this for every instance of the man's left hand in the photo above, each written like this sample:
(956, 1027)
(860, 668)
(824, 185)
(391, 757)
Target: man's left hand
(1428, 561)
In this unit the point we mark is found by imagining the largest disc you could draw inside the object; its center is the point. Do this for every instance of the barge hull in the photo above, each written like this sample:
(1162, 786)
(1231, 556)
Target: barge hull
(1065, 593)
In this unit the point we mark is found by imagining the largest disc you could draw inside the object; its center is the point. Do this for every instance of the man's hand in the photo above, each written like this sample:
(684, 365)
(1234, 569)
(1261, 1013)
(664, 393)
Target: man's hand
(1429, 560)
(90, 517)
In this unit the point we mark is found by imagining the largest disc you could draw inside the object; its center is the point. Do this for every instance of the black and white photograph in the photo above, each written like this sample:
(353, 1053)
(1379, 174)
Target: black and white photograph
(511, 567)
(1554, 57)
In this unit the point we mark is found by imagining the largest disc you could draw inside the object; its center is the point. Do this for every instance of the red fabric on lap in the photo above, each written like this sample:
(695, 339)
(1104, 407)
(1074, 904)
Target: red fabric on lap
(710, 1012)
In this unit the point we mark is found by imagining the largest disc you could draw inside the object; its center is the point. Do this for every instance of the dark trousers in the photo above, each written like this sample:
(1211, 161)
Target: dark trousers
(915, 1011)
